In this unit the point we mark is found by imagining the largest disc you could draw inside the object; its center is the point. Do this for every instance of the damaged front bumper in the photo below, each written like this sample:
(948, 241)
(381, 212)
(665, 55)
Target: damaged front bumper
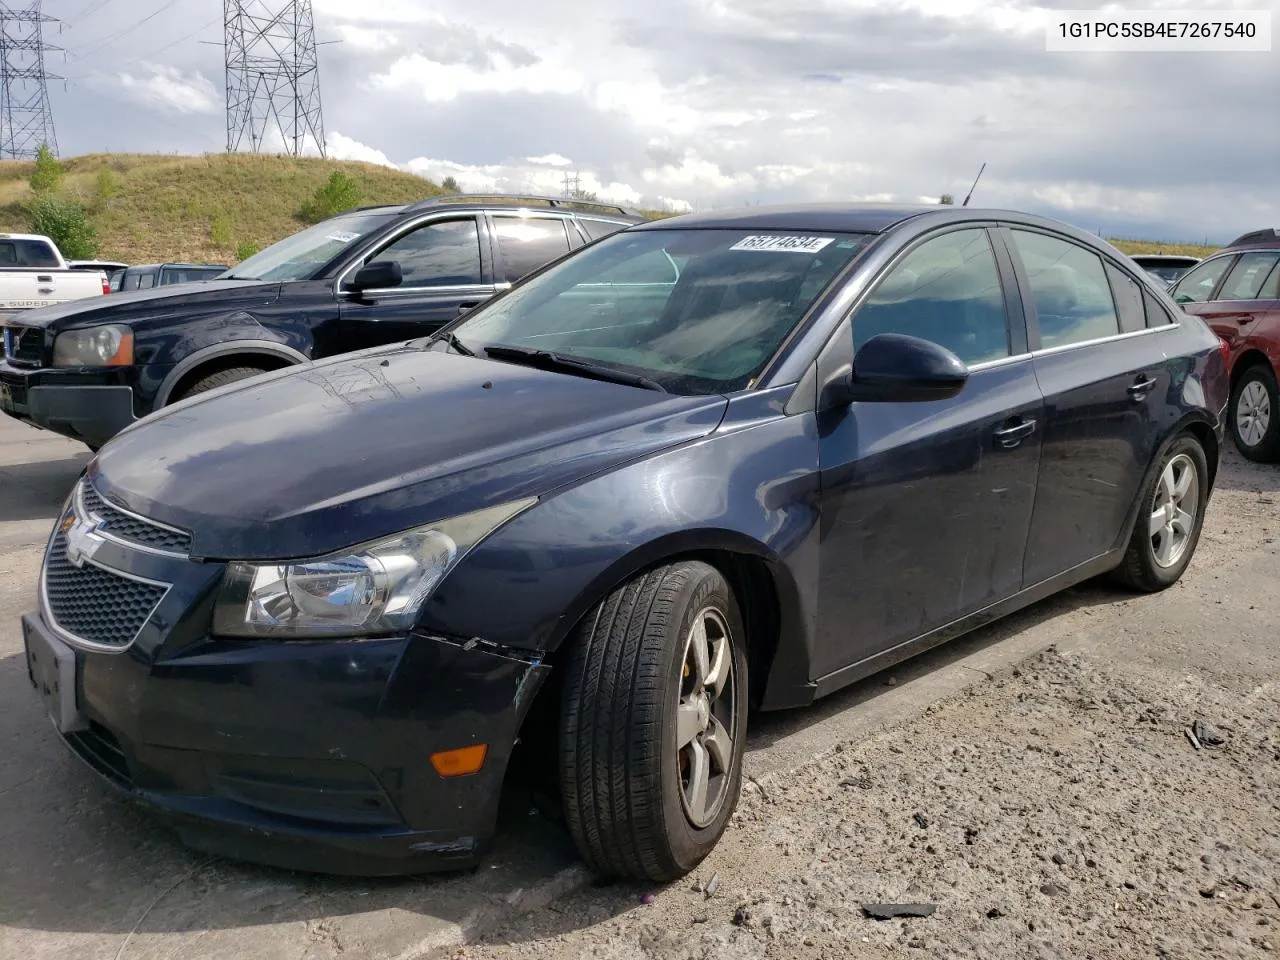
(311, 756)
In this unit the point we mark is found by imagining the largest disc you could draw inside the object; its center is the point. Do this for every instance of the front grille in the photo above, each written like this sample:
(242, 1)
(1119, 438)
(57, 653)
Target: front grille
(24, 346)
(94, 604)
(124, 526)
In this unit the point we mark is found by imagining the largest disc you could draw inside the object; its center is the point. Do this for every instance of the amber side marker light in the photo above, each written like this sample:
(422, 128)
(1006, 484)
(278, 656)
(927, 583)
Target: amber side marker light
(460, 762)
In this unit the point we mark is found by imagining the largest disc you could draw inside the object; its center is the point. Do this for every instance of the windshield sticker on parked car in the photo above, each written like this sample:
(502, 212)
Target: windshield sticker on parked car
(782, 244)
(343, 237)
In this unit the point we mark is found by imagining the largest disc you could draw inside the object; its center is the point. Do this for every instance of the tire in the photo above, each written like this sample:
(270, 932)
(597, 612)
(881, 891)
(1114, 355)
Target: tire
(1156, 560)
(219, 379)
(1255, 402)
(622, 773)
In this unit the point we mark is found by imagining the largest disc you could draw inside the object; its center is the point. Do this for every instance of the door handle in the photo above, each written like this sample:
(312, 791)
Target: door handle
(1010, 437)
(1140, 388)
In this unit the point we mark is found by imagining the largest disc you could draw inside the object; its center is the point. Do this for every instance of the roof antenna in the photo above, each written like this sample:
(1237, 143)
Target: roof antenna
(974, 187)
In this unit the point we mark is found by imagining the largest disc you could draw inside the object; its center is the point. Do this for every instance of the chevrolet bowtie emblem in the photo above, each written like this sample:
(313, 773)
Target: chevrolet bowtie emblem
(82, 540)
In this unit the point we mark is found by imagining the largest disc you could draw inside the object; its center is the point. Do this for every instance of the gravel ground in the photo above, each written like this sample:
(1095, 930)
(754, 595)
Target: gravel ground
(1055, 810)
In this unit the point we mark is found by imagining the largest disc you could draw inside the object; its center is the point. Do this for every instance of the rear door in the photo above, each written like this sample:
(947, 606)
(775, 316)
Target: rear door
(1105, 380)
(447, 271)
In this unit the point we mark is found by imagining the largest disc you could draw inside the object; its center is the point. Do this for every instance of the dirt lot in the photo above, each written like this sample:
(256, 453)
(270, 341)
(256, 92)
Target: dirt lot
(1080, 755)
(1055, 810)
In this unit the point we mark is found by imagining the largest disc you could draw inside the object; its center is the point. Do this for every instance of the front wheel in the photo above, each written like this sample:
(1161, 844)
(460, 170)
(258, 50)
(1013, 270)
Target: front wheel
(653, 723)
(1255, 415)
(1170, 518)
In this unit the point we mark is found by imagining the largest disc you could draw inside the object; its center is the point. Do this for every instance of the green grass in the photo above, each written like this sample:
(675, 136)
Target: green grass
(149, 208)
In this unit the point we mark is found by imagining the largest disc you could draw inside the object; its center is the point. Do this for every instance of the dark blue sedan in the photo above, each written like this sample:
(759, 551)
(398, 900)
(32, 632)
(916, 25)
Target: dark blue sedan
(703, 464)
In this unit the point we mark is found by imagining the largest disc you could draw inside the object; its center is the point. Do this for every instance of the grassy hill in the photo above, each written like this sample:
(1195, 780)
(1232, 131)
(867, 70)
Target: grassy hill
(156, 208)
(149, 208)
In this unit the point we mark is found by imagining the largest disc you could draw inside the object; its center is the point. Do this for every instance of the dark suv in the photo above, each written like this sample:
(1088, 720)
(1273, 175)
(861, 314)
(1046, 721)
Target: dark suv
(365, 278)
(1237, 292)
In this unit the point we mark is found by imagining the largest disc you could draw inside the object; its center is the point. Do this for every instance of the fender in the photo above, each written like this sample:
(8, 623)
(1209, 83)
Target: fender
(228, 349)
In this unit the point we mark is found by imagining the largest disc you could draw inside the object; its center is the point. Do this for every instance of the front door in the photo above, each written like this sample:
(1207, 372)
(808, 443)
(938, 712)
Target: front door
(1106, 383)
(926, 506)
(446, 272)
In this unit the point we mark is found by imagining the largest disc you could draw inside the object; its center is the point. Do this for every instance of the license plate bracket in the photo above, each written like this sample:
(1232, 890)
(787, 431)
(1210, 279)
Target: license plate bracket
(51, 667)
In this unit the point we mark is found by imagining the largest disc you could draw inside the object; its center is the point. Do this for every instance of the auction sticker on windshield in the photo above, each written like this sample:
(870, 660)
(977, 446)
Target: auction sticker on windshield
(782, 244)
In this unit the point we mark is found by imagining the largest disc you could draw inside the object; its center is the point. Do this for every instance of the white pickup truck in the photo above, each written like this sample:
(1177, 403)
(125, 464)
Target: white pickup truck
(34, 274)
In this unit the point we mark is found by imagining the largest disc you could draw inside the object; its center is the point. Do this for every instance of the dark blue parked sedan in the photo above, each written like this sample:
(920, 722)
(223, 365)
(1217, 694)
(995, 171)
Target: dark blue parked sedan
(704, 463)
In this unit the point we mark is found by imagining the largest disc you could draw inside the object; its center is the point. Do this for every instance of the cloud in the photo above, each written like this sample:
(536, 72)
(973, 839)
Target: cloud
(550, 159)
(341, 147)
(170, 90)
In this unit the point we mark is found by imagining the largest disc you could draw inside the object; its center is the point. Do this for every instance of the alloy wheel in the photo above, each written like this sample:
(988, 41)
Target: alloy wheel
(1253, 413)
(1173, 510)
(705, 718)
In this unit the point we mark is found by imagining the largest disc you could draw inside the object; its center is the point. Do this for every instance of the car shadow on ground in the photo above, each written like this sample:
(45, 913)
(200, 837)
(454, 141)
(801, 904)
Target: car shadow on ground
(36, 491)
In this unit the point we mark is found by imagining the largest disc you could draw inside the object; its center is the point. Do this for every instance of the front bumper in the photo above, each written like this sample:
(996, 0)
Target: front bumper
(309, 756)
(88, 406)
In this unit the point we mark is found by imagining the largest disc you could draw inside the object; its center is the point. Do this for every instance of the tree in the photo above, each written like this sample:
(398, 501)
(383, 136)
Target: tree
(64, 222)
(947, 200)
(451, 185)
(48, 173)
(339, 193)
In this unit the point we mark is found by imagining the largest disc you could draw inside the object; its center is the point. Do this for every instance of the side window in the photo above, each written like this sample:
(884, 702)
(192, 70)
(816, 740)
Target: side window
(599, 228)
(1157, 314)
(650, 268)
(146, 281)
(1198, 283)
(1128, 297)
(1069, 287)
(1271, 286)
(526, 243)
(947, 290)
(1246, 278)
(441, 254)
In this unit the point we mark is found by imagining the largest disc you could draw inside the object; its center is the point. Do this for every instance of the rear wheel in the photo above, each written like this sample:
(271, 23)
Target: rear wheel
(1255, 414)
(1170, 517)
(219, 379)
(653, 722)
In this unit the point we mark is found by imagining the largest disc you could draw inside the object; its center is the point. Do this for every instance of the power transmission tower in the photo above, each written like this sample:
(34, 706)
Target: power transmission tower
(273, 75)
(26, 121)
(572, 186)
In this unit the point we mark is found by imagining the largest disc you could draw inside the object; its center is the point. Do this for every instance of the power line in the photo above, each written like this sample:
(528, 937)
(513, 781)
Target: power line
(93, 7)
(273, 74)
(147, 56)
(97, 45)
(26, 119)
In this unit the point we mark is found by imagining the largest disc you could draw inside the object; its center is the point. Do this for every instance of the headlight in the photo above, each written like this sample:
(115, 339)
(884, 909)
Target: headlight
(375, 588)
(109, 346)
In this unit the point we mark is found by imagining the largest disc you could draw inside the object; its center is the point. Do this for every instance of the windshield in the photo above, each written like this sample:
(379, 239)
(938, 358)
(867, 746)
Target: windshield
(696, 311)
(299, 256)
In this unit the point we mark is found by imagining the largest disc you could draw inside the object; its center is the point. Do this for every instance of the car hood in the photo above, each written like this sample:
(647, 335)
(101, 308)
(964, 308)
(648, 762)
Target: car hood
(104, 309)
(318, 457)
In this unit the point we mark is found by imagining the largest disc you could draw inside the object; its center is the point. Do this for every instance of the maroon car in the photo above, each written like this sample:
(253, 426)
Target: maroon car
(1237, 292)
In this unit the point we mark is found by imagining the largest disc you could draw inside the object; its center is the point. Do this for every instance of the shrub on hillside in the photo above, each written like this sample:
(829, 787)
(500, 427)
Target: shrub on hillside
(65, 223)
(245, 250)
(339, 193)
(48, 173)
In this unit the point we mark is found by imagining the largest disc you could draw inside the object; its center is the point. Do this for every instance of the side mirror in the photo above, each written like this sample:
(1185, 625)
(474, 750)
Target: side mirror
(896, 368)
(376, 276)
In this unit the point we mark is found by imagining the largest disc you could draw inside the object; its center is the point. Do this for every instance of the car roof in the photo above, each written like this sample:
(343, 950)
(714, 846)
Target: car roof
(1268, 238)
(841, 217)
(182, 266)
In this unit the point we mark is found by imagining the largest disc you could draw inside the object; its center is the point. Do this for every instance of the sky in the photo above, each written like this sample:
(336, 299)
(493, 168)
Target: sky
(707, 104)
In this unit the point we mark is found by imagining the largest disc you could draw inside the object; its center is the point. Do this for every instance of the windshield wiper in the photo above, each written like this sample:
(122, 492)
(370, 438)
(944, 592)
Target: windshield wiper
(558, 361)
(453, 341)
